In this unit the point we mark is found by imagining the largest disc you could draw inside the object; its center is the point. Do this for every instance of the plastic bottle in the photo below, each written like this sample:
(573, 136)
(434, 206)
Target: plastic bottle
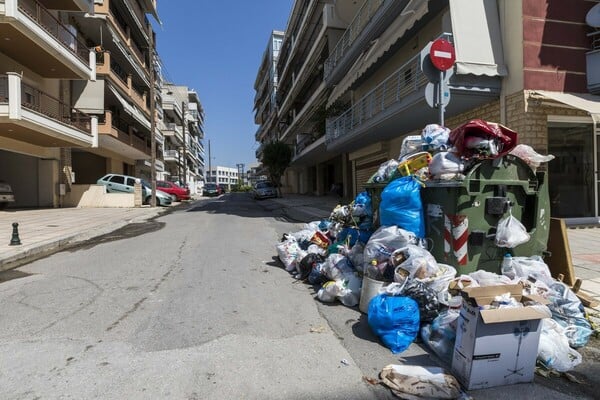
(506, 267)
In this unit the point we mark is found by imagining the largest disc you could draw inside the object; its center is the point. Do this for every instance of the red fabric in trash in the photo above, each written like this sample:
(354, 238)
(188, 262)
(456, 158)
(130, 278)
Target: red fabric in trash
(507, 138)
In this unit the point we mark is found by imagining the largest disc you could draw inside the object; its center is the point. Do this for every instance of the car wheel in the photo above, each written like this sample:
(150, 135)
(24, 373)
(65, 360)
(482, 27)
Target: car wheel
(148, 199)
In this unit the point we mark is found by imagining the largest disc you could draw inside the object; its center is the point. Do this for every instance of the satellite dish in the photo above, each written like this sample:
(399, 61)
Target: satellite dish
(593, 17)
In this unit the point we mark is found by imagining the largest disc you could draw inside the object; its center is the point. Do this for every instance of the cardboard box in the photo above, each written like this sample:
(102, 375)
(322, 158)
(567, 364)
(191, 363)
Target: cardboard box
(499, 346)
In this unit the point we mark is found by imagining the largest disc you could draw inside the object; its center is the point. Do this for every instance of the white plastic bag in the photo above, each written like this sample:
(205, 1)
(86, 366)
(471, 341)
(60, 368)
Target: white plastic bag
(510, 232)
(554, 350)
(446, 163)
(290, 253)
(530, 156)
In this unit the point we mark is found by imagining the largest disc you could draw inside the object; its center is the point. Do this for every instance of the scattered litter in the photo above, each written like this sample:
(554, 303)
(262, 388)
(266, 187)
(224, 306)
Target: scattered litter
(344, 361)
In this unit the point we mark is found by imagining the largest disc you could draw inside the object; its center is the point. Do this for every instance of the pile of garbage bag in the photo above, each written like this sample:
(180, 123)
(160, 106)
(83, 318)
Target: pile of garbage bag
(420, 299)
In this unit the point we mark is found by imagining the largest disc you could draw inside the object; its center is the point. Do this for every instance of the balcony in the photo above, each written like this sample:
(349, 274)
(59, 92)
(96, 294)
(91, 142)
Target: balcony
(107, 66)
(34, 116)
(172, 156)
(119, 136)
(68, 5)
(398, 105)
(33, 37)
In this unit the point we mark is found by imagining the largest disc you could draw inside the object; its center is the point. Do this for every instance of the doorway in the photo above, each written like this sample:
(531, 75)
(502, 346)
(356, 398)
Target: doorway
(572, 177)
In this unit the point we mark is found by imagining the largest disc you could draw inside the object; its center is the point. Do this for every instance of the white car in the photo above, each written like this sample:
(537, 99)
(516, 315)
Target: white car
(264, 190)
(6, 195)
(116, 183)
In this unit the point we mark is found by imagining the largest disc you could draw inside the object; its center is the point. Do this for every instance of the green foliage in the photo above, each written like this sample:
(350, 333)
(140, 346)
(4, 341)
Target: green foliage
(276, 158)
(241, 188)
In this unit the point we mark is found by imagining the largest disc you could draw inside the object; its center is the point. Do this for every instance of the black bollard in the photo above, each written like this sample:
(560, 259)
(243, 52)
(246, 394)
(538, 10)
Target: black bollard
(15, 241)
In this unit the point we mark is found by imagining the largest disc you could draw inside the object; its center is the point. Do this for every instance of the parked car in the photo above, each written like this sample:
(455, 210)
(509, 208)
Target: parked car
(264, 190)
(211, 189)
(177, 192)
(6, 195)
(117, 183)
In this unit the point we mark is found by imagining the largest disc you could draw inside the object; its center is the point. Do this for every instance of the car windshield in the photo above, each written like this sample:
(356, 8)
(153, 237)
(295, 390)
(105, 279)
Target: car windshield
(210, 186)
(146, 184)
(264, 185)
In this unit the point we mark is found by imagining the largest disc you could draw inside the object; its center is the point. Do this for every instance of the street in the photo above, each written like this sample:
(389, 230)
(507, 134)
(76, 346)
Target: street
(195, 305)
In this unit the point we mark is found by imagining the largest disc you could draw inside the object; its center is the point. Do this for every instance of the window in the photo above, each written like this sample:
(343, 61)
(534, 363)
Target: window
(117, 179)
(130, 181)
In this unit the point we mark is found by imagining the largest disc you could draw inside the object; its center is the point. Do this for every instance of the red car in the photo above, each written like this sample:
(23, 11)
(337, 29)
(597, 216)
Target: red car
(177, 192)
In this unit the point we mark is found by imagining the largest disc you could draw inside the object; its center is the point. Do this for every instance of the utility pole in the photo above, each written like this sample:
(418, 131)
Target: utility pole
(152, 125)
(184, 122)
(209, 164)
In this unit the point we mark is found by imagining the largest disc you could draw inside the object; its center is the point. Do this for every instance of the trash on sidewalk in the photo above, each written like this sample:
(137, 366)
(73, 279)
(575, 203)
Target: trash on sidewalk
(415, 382)
(466, 267)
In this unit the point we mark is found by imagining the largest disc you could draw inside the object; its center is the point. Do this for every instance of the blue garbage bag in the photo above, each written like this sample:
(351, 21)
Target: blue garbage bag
(395, 320)
(362, 205)
(401, 205)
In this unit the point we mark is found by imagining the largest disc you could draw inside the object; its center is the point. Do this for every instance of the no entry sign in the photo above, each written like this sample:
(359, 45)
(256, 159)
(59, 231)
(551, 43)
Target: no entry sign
(442, 54)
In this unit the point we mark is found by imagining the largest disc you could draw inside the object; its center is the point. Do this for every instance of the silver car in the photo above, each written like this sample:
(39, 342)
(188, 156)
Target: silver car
(117, 183)
(264, 190)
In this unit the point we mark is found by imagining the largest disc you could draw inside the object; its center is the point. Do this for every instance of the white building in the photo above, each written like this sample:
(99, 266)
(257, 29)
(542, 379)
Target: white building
(223, 176)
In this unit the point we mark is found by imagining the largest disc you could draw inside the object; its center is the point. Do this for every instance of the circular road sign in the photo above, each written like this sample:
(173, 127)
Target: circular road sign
(442, 54)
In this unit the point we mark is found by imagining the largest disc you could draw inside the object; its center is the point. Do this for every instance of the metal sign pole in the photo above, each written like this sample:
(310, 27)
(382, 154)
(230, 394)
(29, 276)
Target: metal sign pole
(441, 98)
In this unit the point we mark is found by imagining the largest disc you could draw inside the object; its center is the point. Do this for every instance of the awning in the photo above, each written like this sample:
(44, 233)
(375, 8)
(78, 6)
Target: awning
(477, 37)
(129, 108)
(413, 11)
(581, 101)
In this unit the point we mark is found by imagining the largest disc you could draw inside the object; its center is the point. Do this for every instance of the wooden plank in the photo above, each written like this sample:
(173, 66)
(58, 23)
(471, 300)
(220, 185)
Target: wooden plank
(560, 261)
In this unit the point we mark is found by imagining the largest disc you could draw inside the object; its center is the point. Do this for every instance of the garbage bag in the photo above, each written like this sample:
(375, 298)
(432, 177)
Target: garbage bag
(387, 171)
(362, 205)
(568, 311)
(510, 232)
(446, 165)
(395, 320)
(480, 139)
(307, 264)
(435, 137)
(401, 205)
(289, 253)
(426, 298)
(440, 335)
(554, 351)
(530, 156)
(382, 244)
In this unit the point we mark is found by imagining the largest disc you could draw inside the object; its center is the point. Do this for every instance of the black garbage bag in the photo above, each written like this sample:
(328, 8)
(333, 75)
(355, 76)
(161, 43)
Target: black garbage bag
(307, 264)
(426, 298)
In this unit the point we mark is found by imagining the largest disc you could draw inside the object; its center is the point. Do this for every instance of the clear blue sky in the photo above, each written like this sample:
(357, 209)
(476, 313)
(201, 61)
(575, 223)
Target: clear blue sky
(215, 47)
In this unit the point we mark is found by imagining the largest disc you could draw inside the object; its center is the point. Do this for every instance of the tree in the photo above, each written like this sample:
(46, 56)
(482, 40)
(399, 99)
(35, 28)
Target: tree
(276, 158)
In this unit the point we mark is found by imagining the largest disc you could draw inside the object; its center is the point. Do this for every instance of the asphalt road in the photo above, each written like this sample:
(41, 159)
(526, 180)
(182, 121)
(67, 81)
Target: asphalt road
(195, 305)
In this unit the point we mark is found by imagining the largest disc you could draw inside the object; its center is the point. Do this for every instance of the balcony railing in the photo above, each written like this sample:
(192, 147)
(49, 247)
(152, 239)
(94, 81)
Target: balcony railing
(361, 19)
(407, 79)
(64, 34)
(43, 103)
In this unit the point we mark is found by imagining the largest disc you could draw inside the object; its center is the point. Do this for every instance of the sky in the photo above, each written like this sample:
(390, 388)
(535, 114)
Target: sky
(215, 48)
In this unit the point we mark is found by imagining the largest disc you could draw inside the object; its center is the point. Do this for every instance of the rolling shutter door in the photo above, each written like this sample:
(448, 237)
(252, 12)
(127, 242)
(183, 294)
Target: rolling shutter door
(366, 167)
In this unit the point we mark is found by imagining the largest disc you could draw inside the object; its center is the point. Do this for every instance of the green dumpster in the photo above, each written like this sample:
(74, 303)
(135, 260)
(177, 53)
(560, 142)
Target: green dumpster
(461, 216)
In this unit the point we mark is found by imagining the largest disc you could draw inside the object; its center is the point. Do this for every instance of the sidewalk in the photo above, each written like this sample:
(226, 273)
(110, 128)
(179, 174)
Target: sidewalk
(44, 231)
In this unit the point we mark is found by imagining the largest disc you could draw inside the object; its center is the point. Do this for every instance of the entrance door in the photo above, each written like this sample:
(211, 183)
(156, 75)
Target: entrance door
(572, 177)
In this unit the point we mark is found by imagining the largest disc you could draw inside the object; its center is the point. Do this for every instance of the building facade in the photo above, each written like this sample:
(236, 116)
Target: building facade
(226, 177)
(265, 100)
(352, 86)
(93, 105)
(44, 58)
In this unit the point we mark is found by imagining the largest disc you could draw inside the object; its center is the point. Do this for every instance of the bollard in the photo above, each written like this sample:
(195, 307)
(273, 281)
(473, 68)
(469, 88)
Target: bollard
(15, 241)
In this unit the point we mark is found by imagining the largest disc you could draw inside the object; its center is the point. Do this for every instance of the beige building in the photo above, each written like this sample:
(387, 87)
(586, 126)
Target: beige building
(352, 86)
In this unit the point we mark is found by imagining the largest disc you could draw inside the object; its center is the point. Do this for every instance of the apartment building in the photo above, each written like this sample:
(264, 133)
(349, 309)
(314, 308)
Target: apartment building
(123, 40)
(44, 57)
(265, 100)
(352, 86)
(182, 126)
(224, 176)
